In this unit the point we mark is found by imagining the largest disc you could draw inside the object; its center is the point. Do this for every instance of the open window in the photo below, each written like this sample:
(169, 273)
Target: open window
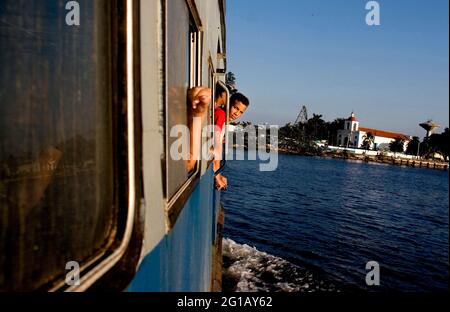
(183, 68)
(221, 135)
(208, 136)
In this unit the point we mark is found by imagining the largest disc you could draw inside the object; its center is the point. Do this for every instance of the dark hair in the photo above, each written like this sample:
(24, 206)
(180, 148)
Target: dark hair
(219, 90)
(239, 97)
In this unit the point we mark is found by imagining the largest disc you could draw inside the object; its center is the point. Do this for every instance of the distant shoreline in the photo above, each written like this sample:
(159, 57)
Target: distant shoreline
(389, 160)
(414, 163)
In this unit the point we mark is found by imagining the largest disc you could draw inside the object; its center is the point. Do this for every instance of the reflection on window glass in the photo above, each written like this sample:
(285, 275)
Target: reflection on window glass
(56, 170)
(178, 75)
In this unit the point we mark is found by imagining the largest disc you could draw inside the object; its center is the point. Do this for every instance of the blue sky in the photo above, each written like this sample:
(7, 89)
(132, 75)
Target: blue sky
(322, 54)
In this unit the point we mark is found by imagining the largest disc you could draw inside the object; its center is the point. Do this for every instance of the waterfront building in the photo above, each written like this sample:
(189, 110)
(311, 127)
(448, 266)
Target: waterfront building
(353, 136)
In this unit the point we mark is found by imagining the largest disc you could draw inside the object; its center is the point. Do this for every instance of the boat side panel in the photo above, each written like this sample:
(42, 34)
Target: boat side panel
(182, 260)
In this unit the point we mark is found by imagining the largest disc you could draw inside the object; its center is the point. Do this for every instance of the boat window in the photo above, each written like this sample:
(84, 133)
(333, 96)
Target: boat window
(56, 145)
(183, 71)
(210, 133)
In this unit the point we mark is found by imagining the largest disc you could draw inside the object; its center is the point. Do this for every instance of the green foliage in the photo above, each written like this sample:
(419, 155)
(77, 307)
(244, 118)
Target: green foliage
(413, 146)
(397, 146)
(230, 80)
(300, 137)
(436, 143)
(368, 140)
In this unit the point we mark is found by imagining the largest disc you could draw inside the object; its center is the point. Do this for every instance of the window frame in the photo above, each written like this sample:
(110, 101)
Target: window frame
(212, 84)
(114, 267)
(227, 112)
(175, 204)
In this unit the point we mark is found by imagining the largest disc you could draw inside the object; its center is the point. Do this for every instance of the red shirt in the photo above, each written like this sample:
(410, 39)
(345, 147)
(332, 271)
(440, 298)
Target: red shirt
(219, 117)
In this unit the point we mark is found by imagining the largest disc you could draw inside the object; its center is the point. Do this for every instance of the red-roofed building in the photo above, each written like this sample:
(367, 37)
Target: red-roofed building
(353, 135)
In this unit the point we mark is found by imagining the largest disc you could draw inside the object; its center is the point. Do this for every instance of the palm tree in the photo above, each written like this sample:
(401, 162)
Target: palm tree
(426, 148)
(333, 128)
(397, 145)
(315, 127)
(436, 143)
(413, 146)
(368, 140)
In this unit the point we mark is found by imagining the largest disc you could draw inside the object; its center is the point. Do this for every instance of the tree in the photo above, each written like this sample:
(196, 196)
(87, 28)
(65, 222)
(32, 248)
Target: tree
(438, 143)
(230, 80)
(290, 132)
(315, 128)
(368, 140)
(333, 128)
(426, 149)
(397, 145)
(413, 146)
(444, 143)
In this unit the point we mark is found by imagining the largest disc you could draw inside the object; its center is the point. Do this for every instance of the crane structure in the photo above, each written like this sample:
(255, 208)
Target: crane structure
(302, 116)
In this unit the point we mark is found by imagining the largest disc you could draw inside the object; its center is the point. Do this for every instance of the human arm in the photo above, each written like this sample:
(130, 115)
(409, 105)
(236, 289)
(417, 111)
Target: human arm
(198, 99)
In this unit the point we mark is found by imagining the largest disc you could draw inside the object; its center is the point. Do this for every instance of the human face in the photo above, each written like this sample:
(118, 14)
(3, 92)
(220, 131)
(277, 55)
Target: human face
(221, 100)
(237, 109)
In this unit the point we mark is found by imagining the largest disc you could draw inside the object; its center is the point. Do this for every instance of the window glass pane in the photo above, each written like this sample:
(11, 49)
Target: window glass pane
(178, 64)
(56, 165)
(212, 85)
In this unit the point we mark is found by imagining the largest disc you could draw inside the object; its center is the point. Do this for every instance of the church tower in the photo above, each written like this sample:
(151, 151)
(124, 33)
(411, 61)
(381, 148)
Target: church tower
(352, 124)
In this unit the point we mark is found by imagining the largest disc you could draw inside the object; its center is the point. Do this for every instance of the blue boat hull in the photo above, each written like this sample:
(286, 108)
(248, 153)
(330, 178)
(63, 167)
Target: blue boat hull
(183, 259)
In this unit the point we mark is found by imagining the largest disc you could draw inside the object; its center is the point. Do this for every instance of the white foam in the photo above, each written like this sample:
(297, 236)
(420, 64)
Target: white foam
(252, 270)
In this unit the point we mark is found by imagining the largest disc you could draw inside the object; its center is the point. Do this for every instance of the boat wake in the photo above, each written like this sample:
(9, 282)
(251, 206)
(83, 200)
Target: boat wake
(245, 269)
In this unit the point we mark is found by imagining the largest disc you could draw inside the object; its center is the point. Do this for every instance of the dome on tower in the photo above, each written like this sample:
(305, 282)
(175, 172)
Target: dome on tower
(352, 117)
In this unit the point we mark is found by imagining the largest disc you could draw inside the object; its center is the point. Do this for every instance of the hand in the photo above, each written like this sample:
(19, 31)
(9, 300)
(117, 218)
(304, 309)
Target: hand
(225, 181)
(199, 99)
(221, 182)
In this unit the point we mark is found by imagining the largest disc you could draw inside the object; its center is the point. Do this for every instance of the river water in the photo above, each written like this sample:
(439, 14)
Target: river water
(314, 223)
